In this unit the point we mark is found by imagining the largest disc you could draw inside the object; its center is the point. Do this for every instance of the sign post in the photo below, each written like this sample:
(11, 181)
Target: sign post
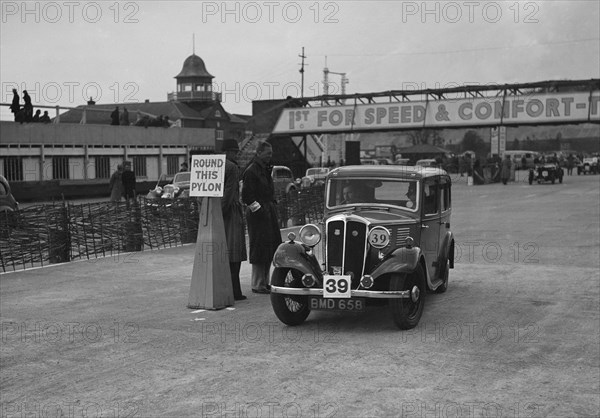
(211, 286)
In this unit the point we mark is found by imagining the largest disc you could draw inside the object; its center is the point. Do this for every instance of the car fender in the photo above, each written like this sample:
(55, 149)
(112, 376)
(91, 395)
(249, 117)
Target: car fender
(294, 255)
(402, 260)
(447, 250)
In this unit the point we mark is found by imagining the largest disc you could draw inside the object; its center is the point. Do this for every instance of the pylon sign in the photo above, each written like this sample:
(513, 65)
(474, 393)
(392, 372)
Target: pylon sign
(211, 286)
(207, 176)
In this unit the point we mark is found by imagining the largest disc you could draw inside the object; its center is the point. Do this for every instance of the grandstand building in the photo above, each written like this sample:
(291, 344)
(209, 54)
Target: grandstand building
(77, 153)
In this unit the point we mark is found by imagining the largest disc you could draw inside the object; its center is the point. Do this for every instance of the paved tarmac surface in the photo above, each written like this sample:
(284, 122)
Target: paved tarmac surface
(516, 335)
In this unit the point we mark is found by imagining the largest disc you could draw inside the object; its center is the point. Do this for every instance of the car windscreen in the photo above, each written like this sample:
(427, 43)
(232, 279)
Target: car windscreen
(369, 191)
(182, 177)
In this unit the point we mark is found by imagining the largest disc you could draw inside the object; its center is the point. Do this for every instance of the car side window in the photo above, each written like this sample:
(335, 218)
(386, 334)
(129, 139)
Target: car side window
(430, 197)
(445, 195)
(3, 191)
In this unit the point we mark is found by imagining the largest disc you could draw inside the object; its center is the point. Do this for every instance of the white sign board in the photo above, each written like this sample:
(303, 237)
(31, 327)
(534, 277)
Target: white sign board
(480, 111)
(502, 140)
(494, 140)
(207, 176)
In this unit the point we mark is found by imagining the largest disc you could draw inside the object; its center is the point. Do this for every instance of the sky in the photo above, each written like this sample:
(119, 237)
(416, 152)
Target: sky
(66, 51)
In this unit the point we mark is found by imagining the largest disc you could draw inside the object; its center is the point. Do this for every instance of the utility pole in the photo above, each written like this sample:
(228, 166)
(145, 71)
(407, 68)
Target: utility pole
(302, 73)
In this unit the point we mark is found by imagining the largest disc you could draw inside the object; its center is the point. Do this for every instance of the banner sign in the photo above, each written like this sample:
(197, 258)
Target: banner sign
(207, 175)
(502, 140)
(445, 113)
(494, 140)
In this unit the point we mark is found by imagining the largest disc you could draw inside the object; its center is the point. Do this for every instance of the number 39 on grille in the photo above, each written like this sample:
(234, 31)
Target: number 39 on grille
(336, 286)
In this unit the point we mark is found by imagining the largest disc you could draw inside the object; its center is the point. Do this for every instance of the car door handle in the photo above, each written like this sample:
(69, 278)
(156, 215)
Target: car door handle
(424, 226)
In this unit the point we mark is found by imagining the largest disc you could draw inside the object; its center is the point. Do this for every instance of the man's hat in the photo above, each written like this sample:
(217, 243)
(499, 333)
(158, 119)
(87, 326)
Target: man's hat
(230, 145)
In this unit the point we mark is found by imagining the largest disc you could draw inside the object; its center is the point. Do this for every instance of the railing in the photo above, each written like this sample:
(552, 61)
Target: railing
(84, 109)
(183, 96)
(62, 232)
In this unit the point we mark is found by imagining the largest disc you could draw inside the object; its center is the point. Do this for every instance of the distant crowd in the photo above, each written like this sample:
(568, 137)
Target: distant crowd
(122, 118)
(24, 114)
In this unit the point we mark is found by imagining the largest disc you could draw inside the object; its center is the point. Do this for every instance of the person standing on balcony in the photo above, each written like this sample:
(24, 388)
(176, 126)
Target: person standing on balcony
(28, 108)
(233, 216)
(124, 119)
(45, 118)
(114, 117)
(258, 193)
(15, 106)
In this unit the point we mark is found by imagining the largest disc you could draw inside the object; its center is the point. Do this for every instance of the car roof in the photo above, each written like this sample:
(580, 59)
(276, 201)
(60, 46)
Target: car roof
(399, 171)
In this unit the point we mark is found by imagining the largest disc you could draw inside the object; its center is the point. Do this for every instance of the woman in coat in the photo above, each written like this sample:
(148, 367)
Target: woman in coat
(233, 216)
(116, 185)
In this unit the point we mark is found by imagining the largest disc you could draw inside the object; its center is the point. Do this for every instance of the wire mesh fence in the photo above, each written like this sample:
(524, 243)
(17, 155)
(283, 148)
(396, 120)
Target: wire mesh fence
(54, 233)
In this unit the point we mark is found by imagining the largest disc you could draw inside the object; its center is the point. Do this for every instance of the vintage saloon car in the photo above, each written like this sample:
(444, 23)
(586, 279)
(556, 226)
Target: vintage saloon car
(386, 236)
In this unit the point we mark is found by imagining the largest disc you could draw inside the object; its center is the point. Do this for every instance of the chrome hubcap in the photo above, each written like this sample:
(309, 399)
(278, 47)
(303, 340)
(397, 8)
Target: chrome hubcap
(414, 294)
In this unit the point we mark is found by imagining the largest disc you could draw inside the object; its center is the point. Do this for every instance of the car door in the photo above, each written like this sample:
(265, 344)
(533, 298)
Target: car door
(444, 220)
(430, 224)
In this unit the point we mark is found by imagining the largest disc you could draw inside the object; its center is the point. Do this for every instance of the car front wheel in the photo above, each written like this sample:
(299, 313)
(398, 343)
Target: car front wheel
(291, 310)
(407, 312)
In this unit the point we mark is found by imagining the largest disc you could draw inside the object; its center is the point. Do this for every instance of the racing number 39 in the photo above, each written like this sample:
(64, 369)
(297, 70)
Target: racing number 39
(336, 287)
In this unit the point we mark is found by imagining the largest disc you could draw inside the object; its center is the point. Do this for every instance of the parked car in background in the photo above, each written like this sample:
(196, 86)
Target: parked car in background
(8, 203)
(385, 161)
(589, 165)
(315, 176)
(427, 162)
(522, 159)
(283, 180)
(180, 187)
(402, 161)
(369, 161)
(387, 238)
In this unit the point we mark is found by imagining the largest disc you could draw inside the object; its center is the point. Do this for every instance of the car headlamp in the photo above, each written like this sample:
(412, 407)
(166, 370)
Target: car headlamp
(310, 235)
(379, 237)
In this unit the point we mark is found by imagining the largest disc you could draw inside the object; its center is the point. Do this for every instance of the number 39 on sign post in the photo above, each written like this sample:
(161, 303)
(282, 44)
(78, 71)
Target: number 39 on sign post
(336, 286)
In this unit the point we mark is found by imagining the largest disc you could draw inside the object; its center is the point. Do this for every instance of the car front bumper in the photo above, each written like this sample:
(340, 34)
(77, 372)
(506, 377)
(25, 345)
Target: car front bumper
(362, 293)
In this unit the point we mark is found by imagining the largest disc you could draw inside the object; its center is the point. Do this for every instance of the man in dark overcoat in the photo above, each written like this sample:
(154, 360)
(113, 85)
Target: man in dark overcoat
(505, 172)
(128, 179)
(233, 216)
(258, 193)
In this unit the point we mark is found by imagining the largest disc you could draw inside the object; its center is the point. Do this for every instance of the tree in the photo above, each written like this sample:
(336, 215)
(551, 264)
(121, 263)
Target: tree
(473, 142)
(516, 144)
(426, 136)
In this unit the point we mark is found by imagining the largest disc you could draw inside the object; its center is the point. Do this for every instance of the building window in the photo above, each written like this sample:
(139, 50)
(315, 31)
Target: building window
(139, 166)
(60, 168)
(13, 168)
(172, 164)
(220, 134)
(217, 113)
(102, 167)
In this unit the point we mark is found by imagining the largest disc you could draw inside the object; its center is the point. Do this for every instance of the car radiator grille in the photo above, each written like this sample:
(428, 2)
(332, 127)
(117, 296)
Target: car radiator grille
(350, 259)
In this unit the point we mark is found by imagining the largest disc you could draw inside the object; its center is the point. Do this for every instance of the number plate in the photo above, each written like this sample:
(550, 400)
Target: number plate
(336, 286)
(322, 304)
